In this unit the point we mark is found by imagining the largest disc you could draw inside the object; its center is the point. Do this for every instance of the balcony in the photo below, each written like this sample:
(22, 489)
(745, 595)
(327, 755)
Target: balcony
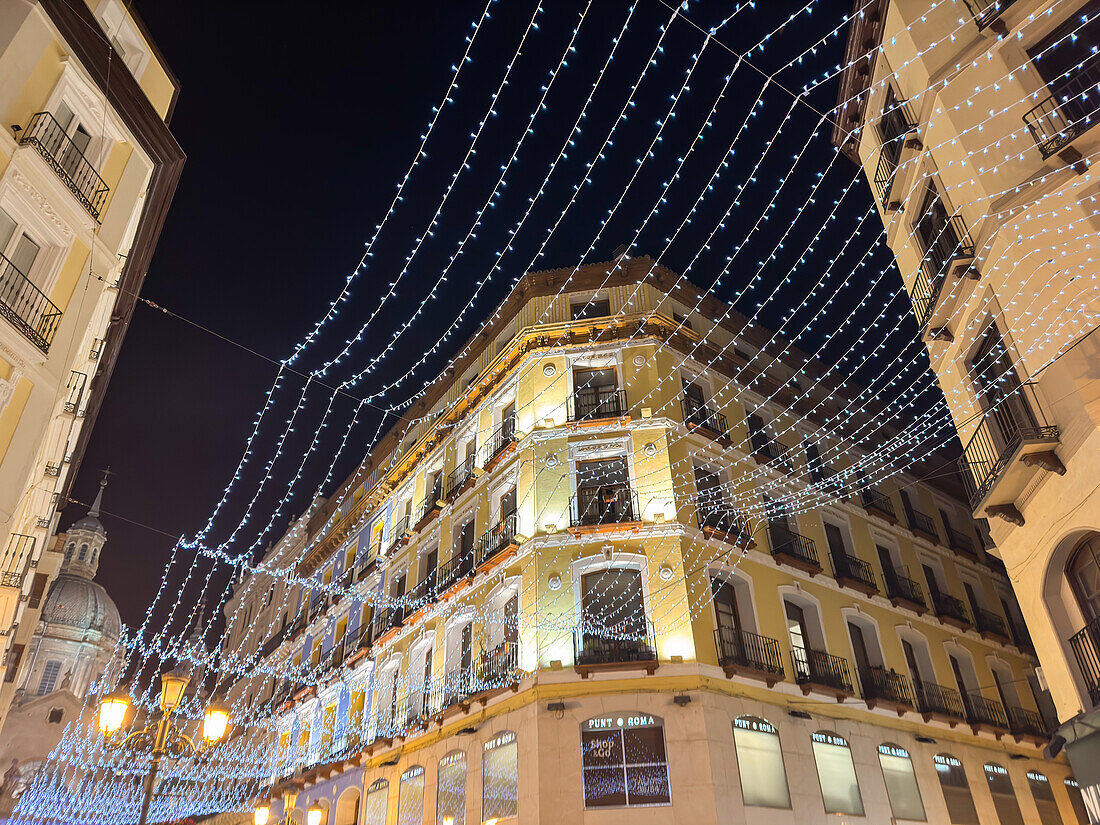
(1069, 111)
(982, 713)
(423, 594)
(853, 572)
(428, 509)
(1013, 442)
(365, 567)
(896, 125)
(611, 651)
(591, 405)
(27, 307)
(741, 653)
(767, 451)
(399, 536)
(903, 591)
(922, 525)
(878, 504)
(67, 160)
(458, 567)
(989, 624)
(788, 547)
(501, 444)
(460, 479)
(386, 619)
(987, 12)
(1020, 636)
(816, 670)
(1085, 644)
(698, 417)
(949, 250)
(939, 702)
(1026, 724)
(960, 542)
(886, 688)
(497, 543)
(605, 508)
(952, 611)
(454, 689)
(497, 670)
(721, 521)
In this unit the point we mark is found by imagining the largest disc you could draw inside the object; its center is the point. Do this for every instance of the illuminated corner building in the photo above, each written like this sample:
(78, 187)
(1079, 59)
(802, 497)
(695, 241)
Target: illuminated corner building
(88, 167)
(540, 605)
(990, 208)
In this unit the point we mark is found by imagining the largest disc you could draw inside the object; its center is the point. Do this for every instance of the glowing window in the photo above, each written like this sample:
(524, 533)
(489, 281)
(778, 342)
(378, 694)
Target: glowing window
(500, 777)
(623, 761)
(901, 783)
(837, 773)
(378, 794)
(760, 763)
(450, 794)
(410, 797)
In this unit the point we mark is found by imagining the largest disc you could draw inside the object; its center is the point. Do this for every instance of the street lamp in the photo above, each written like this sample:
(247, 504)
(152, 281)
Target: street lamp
(163, 736)
(313, 815)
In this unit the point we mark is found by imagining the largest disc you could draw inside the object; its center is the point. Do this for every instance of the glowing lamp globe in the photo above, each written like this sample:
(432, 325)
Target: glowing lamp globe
(214, 725)
(313, 816)
(112, 713)
(172, 686)
(262, 815)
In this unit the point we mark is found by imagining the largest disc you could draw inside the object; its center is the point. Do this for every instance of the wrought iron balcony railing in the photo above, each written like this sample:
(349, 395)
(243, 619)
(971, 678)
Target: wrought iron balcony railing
(458, 477)
(960, 541)
(880, 684)
(933, 699)
(896, 123)
(609, 646)
(986, 12)
(765, 449)
(876, 502)
(27, 307)
(497, 539)
(786, 542)
(948, 607)
(1085, 644)
(950, 243)
(597, 403)
(982, 711)
(922, 524)
(423, 593)
(457, 567)
(723, 518)
(1023, 722)
(67, 160)
(701, 416)
(816, 667)
(741, 649)
(428, 507)
(902, 588)
(606, 504)
(399, 534)
(1069, 111)
(855, 570)
(498, 667)
(990, 623)
(499, 442)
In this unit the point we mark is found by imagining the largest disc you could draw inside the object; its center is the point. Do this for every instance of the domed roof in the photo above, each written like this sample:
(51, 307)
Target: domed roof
(79, 602)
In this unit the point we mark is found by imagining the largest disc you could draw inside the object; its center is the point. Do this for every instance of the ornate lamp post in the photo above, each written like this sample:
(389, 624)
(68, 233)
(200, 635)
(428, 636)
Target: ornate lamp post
(262, 814)
(163, 736)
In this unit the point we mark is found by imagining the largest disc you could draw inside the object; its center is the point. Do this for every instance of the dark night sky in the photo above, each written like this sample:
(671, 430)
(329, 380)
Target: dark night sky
(299, 120)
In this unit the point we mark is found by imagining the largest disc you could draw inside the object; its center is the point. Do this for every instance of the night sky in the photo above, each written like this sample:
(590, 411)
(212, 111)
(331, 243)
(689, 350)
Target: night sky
(298, 122)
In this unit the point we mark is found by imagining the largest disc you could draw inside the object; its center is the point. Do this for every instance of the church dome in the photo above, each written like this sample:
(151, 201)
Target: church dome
(80, 603)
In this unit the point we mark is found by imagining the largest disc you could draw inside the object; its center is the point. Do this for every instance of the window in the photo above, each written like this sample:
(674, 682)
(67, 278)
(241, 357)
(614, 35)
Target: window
(1043, 795)
(56, 714)
(623, 761)
(956, 790)
(596, 394)
(1084, 575)
(378, 795)
(594, 308)
(450, 794)
(1077, 801)
(500, 777)
(49, 677)
(83, 553)
(837, 774)
(16, 245)
(760, 763)
(603, 492)
(1004, 797)
(901, 783)
(613, 617)
(410, 797)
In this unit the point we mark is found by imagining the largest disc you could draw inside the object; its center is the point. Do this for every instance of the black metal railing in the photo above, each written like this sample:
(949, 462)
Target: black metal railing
(772, 451)
(740, 648)
(424, 592)
(724, 518)
(604, 504)
(457, 567)
(938, 699)
(948, 607)
(496, 539)
(902, 587)
(697, 414)
(273, 643)
(985, 12)
(498, 667)
(1023, 722)
(894, 126)
(361, 638)
(595, 403)
(1003, 428)
(27, 307)
(427, 505)
(877, 502)
(1020, 636)
(458, 477)
(921, 523)
(610, 646)
(387, 618)
(982, 711)
(456, 686)
(877, 682)
(316, 605)
(398, 533)
(363, 567)
(960, 541)
(820, 668)
(989, 622)
(499, 440)
(1085, 644)
(787, 542)
(854, 569)
(66, 159)
(1069, 111)
(950, 242)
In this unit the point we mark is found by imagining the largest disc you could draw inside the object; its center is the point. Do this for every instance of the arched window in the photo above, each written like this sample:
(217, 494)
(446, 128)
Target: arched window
(49, 677)
(1004, 795)
(1083, 571)
(1077, 801)
(410, 797)
(901, 782)
(613, 616)
(956, 790)
(83, 552)
(760, 763)
(377, 799)
(500, 777)
(837, 773)
(1043, 795)
(69, 551)
(450, 794)
(623, 761)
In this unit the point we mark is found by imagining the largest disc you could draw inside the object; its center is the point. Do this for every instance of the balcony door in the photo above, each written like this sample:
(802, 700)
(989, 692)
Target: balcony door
(1067, 61)
(911, 660)
(934, 232)
(709, 496)
(70, 153)
(595, 393)
(859, 648)
(999, 390)
(613, 605)
(728, 618)
(1083, 571)
(603, 495)
(508, 422)
(16, 246)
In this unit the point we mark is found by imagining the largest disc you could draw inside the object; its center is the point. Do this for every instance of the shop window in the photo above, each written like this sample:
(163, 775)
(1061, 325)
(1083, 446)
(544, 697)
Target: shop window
(956, 790)
(1004, 796)
(760, 763)
(837, 773)
(901, 783)
(1077, 801)
(624, 762)
(500, 777)
(378, 795)
(1043, 795)
(410, 797)
(450, 794)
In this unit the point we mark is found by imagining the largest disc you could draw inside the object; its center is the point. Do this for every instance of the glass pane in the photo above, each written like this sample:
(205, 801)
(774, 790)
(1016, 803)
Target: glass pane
(837, 774)
(1043, 795)
(956, 791)
(1077, 801)
(7, 229)
(500, 777)
(760, 763)
(24, 254)
(1004, 797)
(646, 767)
(375, 809)
(613, 604)
(410, 797)
(602, 763)
(450, 808)
(901, 783)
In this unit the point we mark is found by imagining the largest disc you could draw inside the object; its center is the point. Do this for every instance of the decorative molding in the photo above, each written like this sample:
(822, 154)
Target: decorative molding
(42, 203)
